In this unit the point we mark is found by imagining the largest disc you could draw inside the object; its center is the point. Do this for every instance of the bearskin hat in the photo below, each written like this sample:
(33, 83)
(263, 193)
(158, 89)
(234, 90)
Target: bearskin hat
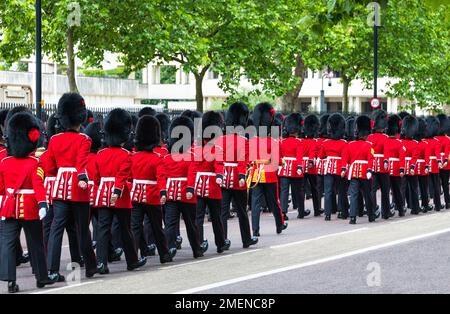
(394, 125)
(191, 114)
(237, 115)
(164, 122)
(3, 114)
(323, 131)
(118, 127)
(444, 122)
(89, 118)
(13, 111)
(71, 110)
(293, 124)
(212, 119)
(183, 121)
(362, 126)
(148, 133)
(263, 115)
(403, 114)
(94, 131)
(410, 126)
(146, 111)
(278, 119)
(379, 119)
(311, 126)
(433, 127)
(350, 128)
(23, 134)
(422, 129)
(53, 126)
(336, 126)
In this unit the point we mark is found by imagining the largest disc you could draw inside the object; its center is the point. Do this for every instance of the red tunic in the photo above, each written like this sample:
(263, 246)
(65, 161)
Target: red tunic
(49, 181)
(21, 188)
(292, 156)
(206, 169)
(433, 152)
(357, 159)
(3, 153)
(320, 163)
(234, 150)
(146, 170)
(395, 154)
(331, 152)
(161, 150)
(411, 154)
(265, 152)
(67, 160)
(178, 177)
(111, 174)
(422, 159)
(311, 149)
(91, 173)
(379, 141)
(444, 147)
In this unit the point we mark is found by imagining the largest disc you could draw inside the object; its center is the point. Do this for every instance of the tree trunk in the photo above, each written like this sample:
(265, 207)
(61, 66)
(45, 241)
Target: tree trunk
(71, 61)
(346, 84)
(199, 76)
(290, 100)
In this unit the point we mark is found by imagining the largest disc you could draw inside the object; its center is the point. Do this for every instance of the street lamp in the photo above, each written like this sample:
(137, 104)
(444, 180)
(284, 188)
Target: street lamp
(329, 75)
(38, 59)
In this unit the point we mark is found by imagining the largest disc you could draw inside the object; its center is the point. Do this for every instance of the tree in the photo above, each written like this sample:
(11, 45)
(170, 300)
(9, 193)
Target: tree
(71, 29)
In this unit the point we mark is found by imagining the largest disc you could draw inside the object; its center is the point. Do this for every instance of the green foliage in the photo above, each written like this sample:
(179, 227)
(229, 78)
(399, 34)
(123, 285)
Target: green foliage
(118, 72)
(168, 74)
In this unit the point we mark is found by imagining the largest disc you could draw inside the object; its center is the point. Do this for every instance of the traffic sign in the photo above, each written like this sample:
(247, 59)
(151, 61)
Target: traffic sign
(375, 103)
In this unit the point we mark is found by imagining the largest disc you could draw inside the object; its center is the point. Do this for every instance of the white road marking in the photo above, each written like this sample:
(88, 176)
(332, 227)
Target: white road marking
(312, 263)
(317, 238)
(209, 259)
(50, 290)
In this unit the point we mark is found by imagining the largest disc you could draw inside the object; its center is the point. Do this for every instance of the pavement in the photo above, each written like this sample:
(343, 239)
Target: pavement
(402, 255)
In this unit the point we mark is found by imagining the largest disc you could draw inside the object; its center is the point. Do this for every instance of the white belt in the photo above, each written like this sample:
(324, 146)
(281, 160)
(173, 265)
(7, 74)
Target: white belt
(21, 191)
(146, 182)
(305, 158)
(230, 164)
(420, 160)
(361, 162)
(169, 180)
(49, 179)
(91, 182)
(442, 154)
(290, 158)
(378, 155)
(209, 174)
(408, 158)
(63, 170)
(107, 179)
(394, 159)
(334, 157)
(433, 157)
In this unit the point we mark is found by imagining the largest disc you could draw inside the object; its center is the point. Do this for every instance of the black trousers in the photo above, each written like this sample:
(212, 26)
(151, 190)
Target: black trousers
(297, 186)
(155, 216)
(397, 196)
(381, 180)
(424, 194)
(71, 231)
(188, 211)
(445, 174)
(9, 233)
(356, 187)
(148, 235)
(435, 187)
(312, 180)
(239, 198)
(105, 222)
(413, 192)
(214, 206)
(334, 186)
(64, 211)
(268, 191)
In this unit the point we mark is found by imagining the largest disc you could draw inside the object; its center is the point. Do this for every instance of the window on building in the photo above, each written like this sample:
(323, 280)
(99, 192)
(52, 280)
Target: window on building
(212, 75)
(168, 74)
(306, 73)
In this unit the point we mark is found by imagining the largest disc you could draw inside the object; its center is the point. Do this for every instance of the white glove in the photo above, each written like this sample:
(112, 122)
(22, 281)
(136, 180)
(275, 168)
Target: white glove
(42, 213)
(369, 175)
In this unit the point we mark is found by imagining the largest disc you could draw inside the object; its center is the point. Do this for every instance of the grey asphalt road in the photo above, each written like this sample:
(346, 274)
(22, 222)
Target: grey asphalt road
(405, 255)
